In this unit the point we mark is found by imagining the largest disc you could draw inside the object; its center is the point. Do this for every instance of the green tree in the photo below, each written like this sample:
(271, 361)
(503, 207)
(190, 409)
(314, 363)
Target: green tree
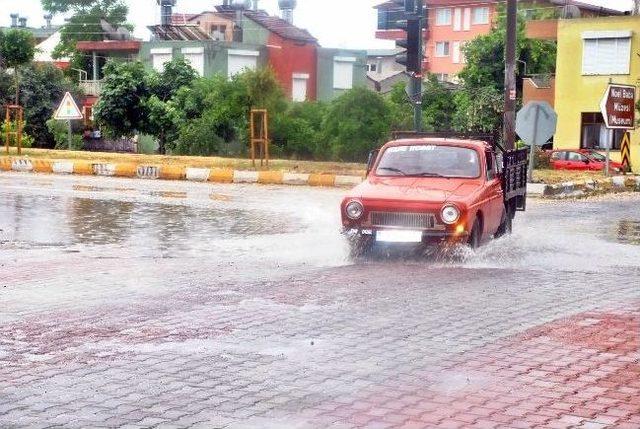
(84, 24)
(120, 110)
(356, 122)
(41, 90)
(176, 74)
(16, 50)
(300, 133)
(214, 112)
(438, 105)
(480, 100)
(485, 56)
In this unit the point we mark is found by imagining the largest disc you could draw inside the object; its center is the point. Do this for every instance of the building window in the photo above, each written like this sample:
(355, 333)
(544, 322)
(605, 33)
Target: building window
(466, 24)
(442, 49)
(442, 77)
(595, 134)
(218, 32)
(372, 67)
(456, 53)
(159, 57)
(299, 87)
(241, 60)
(480, 15)
(457, 19)
(343, 72)
(606, 53)
(443, 16)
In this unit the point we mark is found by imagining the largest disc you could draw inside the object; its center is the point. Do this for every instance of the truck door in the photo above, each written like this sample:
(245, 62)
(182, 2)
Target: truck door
(495, 202)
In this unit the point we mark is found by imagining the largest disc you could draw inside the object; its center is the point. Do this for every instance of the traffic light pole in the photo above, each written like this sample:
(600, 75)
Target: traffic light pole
(417, 78)
(509, 130)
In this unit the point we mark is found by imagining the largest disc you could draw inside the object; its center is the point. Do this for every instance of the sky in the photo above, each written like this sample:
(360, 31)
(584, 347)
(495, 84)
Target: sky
(336, 23)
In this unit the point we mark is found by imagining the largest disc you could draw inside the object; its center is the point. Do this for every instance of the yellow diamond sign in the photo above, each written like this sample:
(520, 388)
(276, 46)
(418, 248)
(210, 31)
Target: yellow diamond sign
(68, 109)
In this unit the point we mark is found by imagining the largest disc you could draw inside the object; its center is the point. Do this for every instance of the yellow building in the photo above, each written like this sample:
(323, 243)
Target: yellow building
(591, 54)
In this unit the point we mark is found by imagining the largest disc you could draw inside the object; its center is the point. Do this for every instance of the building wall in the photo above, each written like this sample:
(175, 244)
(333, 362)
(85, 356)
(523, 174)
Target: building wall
(252, 32)
(326, 56)
(446, 33)
(207, 20)
(215, 53)
(544, 29)
(576, 93)
(288, 57)
(535, 91)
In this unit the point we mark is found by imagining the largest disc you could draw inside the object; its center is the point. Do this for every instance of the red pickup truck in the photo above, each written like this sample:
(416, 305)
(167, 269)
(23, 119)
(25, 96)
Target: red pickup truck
(434, 190)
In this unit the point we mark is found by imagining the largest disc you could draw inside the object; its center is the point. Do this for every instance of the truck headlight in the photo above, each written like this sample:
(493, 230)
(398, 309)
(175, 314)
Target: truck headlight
(450, 214)
(354, 210)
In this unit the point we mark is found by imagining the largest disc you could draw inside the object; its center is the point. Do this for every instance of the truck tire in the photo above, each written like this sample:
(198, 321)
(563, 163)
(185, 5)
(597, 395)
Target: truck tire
(474, 238)
(506, 225)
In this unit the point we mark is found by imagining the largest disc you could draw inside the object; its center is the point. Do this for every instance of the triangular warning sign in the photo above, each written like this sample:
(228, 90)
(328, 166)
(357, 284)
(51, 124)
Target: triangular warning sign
(68, 109)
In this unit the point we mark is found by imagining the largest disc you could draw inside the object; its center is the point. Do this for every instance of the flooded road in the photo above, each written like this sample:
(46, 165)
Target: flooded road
(102, 217)
(133, 303)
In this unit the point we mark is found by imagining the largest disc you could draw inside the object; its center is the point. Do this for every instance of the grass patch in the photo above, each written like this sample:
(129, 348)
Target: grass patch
(553, 177)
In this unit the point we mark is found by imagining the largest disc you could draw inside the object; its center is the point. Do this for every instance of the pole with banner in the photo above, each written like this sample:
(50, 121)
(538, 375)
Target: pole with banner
(68, 111)
(618, 110)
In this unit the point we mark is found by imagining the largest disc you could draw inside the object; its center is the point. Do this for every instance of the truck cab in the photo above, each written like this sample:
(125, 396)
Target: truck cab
(435, 190)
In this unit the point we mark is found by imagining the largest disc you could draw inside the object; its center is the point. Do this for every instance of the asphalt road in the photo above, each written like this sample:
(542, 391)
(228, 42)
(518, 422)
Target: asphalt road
(129, 303)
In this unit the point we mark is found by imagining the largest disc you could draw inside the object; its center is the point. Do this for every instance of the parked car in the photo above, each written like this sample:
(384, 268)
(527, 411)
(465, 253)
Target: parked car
(426, 191)
(581, 159)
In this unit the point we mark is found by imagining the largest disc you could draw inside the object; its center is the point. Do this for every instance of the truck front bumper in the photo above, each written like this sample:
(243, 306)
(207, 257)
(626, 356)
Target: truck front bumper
(425, 237)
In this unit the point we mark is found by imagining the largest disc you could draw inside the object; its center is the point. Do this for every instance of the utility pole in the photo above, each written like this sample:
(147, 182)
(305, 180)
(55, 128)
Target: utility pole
(417, 77)
(509, 130)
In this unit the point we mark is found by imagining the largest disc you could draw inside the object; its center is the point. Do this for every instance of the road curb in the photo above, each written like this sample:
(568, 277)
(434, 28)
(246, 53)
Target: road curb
(175, 172)
(611, 184)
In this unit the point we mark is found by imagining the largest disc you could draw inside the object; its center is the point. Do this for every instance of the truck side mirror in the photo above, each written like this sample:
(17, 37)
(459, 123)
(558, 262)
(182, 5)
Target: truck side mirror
(373, 155)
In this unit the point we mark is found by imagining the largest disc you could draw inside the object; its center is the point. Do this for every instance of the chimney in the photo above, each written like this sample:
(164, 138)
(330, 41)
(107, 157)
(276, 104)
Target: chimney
(23, 22)
(14, 20)
(48, 18)
(166, 11)
(287, 7)
(255, 5)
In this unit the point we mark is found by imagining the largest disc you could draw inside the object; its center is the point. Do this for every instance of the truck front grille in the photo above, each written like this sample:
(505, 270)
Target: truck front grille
(404, 220)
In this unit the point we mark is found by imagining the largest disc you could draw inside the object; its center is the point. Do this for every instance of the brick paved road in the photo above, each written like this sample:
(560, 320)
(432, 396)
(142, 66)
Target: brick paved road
(270, 327)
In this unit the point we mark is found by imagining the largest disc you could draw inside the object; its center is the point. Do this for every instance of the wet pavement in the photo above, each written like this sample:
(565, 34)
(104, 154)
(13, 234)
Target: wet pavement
(129, 303)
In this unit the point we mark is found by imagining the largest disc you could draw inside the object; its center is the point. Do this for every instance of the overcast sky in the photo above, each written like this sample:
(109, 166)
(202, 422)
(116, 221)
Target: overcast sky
(336, 23)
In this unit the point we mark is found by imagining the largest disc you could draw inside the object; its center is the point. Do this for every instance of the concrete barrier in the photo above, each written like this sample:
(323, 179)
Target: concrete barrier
(222, 175)
(198, 174)
(104, 169)
(24, 165)
(295, 179)
(245, 176)
(62, 167)
(148, 172)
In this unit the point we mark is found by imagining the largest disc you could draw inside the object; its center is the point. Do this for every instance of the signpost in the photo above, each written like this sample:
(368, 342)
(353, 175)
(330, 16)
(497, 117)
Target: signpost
(619, 112)
(68, 111)
(536, 123)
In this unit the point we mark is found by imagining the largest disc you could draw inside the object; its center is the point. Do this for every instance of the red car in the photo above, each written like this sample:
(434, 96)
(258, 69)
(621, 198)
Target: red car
(581, 159)
(433, 190)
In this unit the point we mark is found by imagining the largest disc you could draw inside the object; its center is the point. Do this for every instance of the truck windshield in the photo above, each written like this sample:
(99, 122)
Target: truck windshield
(429, 161)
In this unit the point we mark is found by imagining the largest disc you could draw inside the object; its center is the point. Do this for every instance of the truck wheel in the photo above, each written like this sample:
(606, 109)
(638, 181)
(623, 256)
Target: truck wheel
(474, 237)
(506, 225)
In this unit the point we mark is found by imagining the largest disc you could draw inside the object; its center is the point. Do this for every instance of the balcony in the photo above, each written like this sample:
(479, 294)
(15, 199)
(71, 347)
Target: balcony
(91, 87)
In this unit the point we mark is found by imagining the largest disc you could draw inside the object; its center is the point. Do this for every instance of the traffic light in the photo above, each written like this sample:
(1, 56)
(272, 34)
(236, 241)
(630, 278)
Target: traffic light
(405, 15)
(412, 57)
